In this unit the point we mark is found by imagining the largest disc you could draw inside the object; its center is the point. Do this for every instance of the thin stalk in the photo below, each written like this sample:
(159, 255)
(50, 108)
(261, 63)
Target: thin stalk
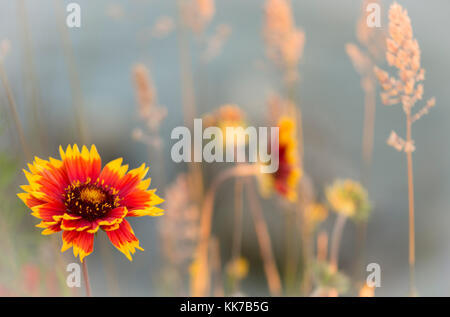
(262, 234)
(237, 228)
(336, 240)
(361, 237)
(242, 170)
(290, 254)
(87, 283)
(13, 109)
(412, 256)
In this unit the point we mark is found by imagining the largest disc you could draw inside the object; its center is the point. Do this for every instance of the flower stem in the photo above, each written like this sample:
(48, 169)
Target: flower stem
(336, 240)
(87, 283)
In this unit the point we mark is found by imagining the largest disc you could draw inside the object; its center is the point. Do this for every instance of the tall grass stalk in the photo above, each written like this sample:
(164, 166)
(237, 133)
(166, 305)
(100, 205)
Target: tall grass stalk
(411, 233)
(13, 108)
(403, 53)
(363, 56)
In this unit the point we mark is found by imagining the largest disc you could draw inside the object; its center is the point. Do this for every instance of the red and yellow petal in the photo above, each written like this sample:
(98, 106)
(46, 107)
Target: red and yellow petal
(131, 188)
(76, 223)
(124, 240)
(131, 180)
(49, 212)
(82, 243)
(151, 211)
(142, 203)
(110, 227)
(47, 179)
(35, 192)
(53, 180)
(40, 165)
(135, 194)
(50, 229)
(81, 165)
(112, 173)
(114, 216)
(30, 200)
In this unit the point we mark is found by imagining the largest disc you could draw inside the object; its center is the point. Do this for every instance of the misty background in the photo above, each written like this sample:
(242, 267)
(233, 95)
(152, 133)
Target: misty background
(108, 44)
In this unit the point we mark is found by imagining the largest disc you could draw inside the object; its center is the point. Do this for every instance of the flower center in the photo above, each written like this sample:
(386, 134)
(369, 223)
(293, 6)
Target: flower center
(89, 201)
(93, 195)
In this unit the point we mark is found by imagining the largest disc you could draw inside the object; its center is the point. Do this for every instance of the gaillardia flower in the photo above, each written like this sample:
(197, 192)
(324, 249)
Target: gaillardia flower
(286, 178)
(349, 198)
(76, 196)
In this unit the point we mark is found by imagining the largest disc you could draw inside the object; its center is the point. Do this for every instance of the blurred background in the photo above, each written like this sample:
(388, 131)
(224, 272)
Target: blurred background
(50, 68)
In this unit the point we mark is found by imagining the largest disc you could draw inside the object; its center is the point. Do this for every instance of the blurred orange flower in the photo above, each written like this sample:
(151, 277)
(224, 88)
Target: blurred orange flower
(228, 115)
(286, 178)
(367, 291)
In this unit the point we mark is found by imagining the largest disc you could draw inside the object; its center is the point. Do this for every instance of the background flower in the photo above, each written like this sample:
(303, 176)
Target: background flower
(349, 198)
